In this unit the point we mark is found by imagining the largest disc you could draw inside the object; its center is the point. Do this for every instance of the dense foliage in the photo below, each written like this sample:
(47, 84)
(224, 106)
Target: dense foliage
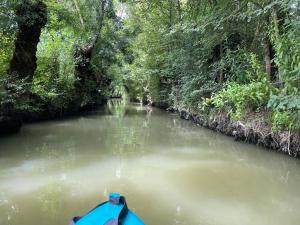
(235, 56)
(79, 35)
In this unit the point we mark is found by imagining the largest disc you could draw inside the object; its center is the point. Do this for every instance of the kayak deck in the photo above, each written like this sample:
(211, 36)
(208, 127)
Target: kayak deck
(113, 212)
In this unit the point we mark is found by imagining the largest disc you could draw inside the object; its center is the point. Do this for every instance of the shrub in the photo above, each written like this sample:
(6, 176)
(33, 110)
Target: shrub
(237, 98)
(286, 112)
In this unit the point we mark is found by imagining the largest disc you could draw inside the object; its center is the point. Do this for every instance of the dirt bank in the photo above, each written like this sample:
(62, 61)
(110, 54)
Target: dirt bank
(254, 129)
(249, 131)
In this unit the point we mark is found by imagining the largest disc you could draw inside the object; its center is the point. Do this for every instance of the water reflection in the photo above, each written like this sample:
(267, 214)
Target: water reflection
(129, 140)
(8, 209)
(50, 197)
(171, 171)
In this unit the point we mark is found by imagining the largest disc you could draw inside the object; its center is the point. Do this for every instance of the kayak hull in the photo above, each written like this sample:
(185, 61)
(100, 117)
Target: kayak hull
(109, 213)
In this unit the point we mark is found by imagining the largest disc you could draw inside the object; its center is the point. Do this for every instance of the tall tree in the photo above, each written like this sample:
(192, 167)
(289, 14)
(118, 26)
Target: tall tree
(31, 18)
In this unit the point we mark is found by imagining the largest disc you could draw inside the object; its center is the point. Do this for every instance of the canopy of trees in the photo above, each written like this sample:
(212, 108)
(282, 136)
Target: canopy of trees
(240, 57)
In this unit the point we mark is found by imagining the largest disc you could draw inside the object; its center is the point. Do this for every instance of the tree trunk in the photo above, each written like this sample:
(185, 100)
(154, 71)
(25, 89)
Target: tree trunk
(221, 75)
(170, 14)
(31, 18)
(88, 81)
(179, 10)
(267, 53)
(79, 12)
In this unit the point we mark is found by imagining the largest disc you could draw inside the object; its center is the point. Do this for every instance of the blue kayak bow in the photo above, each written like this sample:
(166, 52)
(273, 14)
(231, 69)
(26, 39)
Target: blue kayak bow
(112, 212)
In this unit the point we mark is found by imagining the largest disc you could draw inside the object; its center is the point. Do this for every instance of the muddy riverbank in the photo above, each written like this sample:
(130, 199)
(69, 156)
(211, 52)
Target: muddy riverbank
(248, 131)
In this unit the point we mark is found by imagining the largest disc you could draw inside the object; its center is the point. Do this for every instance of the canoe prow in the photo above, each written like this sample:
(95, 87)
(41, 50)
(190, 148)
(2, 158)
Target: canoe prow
(112, 212)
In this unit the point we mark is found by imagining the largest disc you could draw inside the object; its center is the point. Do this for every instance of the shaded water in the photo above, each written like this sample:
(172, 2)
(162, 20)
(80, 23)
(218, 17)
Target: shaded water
(171, 171)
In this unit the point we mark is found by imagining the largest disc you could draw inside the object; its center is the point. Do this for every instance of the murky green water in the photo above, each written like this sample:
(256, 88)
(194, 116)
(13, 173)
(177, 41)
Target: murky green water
(172, 172)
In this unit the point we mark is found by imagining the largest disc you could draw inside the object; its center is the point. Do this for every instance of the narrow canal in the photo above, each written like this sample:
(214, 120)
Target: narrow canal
(171, 171)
